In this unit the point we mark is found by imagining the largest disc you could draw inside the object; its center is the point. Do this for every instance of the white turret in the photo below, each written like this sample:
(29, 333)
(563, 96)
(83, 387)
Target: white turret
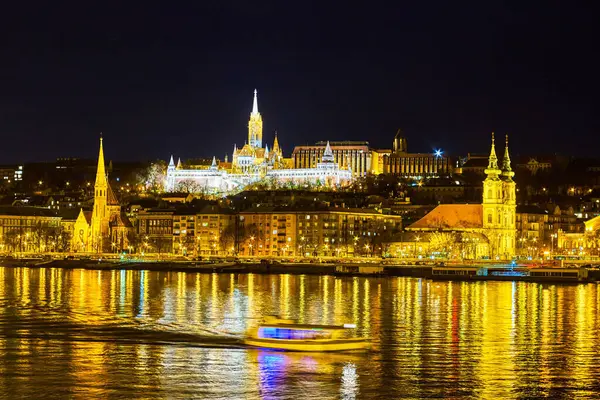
(328, 154)
(255, 104)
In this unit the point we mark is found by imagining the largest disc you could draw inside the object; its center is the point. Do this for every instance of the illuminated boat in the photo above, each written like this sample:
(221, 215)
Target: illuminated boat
(285, 334)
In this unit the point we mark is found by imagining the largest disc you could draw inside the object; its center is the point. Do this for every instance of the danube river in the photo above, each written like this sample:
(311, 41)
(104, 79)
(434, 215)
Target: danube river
(134, 334)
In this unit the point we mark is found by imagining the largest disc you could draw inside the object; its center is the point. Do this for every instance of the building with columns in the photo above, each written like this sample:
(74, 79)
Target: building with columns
(491, 225)
(415, 165)
(327, 172)
(355, 156)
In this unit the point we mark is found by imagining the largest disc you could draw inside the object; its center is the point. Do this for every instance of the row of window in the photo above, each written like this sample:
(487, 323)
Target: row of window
(22, 222)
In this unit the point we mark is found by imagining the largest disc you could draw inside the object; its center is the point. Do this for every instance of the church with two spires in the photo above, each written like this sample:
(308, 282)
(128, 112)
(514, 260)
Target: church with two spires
(491, 225)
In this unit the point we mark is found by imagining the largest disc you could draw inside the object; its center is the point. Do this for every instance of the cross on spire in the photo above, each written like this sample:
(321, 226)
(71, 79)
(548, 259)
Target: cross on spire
(101, 180)
(506, 169)
(492, 169)
(255, 103)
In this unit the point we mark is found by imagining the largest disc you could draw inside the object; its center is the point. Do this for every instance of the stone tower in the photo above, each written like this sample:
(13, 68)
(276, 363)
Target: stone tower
(400, 145)
(255, 125)
(509, 194)
(499, 205)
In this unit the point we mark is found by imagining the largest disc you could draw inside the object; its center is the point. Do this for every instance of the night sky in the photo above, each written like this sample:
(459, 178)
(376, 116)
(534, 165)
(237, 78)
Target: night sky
(179, 79)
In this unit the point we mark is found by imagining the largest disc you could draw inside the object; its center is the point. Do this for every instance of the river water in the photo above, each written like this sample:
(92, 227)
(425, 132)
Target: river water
(136, 334)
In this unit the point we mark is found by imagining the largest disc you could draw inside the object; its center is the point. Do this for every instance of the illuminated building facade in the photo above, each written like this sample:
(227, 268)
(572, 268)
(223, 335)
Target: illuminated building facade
(378, 157)
(415, 165)
(252, 163)
(28, 229)
(209, 231)
(106, 228)
(327, 172)
(495, 218)
(280, 231)
(355, 156)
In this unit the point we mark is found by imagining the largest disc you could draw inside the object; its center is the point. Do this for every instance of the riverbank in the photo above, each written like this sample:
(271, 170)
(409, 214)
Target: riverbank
(455, 273)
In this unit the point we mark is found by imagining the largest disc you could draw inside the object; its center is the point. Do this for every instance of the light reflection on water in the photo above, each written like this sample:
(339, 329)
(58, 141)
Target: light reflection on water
(86, 334)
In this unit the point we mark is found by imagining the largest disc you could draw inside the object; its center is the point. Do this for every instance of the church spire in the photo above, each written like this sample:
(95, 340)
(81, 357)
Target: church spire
(328, 154)
(255, 125)
(492, 168)
(276, 144)
(214, 163)
(255, 104)
(171, 162)
(506, 169)
(100, 171)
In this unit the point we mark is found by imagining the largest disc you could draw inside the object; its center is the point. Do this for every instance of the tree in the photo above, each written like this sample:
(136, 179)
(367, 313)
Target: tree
(133, 241)
(227, 238)
(12, 240)
(153, 178)
(442, 242)
(162, 245)
(247, 236)
(188, 186)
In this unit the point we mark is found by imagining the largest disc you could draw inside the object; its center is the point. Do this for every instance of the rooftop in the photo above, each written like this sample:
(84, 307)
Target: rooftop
(27, 211)
(451, 216)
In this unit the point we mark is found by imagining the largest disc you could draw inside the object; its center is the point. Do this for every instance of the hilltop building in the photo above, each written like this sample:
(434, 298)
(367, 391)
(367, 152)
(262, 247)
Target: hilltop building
(355, 156)
(415, 165)
(252, 163)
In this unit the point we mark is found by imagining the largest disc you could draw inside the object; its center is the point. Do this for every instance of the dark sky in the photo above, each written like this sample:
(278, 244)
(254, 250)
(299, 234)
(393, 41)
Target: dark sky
(176, 78)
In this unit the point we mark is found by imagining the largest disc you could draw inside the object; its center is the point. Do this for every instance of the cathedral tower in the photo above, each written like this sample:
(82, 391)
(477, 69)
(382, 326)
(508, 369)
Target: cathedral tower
(100, 215)
(255, 125)
(510, 204)
(492, 200)
(499, 205)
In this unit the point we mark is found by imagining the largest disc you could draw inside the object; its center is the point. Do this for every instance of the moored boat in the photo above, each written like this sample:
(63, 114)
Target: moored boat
(285, 334)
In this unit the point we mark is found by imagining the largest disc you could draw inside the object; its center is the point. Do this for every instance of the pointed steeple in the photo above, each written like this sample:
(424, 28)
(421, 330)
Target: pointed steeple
(276, 148)
(506, 168)
(179, 163)
(101, 171)
(171, 162)
(266, 151)
(214, 163)
(255, 125)
(492, 168)
(328, 154)
(255, 104)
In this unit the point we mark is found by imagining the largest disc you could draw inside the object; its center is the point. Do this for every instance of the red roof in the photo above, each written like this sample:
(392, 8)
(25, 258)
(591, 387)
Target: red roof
(111, 198)
(120, 220)
(451, 216)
